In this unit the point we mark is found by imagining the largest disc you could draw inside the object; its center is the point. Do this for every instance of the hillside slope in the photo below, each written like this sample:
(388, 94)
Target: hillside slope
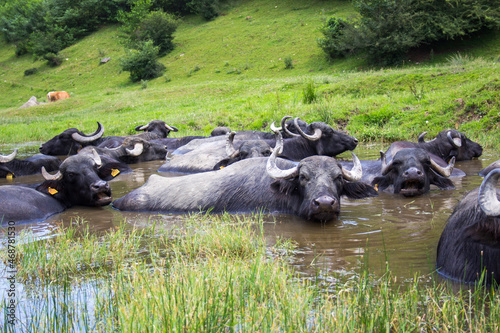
(231, 71)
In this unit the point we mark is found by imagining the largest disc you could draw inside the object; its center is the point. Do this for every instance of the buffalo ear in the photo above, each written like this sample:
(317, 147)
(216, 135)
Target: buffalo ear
(111, 169)
(284, 186)
(382, 182)
(52, 188)
(222, 164)
(442, 182)
(358, 190)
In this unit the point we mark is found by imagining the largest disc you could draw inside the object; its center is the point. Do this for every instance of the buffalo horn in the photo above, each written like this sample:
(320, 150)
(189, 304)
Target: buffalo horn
(96, 157)
(315, 137)
(421, 137)
(89, 138)
(138, 149)
(230, 151)
(48, 176)
(385, 167)
(142, 127)
(8, 158)
(487, 196)
(455, 142)
(272, 169)
(445, 172)
(284, 127)
(171, 128)
(356, 172)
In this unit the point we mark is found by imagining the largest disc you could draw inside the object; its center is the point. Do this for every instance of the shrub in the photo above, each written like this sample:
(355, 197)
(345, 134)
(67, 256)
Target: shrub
(30, 71)
(288, 62)
(158, 27)
(208, 9)
(142, 62)
(388, 29)
(53, 59)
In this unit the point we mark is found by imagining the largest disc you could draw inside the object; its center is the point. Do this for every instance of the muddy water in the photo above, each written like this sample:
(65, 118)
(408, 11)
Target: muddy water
(402, 231)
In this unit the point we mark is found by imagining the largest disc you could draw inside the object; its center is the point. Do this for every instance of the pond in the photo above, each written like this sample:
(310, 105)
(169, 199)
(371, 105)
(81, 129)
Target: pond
(388, 228)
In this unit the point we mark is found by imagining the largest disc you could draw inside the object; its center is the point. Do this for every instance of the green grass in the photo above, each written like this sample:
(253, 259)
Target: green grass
(219, 273)
(232, 71)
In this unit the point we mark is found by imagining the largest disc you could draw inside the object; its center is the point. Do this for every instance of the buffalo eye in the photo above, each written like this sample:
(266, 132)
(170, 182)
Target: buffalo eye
(266, 153)
(70, 175)
(303, 178)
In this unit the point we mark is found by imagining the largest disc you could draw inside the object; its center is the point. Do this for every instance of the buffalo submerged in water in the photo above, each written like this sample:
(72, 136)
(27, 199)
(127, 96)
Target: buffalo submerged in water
(470, 242)
(310, 189)
(79, 181)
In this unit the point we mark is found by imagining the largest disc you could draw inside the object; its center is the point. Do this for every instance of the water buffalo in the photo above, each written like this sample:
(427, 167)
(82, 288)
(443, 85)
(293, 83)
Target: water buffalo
(71, 141)
(78, 182)
(213, 156)
(321, 139)
(470, 241)
(447, 144)
(12, 167)
(410, 172)
(132, 150)
(310, 189)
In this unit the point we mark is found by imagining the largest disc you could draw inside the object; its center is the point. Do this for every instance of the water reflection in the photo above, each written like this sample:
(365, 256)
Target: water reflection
(402, 231)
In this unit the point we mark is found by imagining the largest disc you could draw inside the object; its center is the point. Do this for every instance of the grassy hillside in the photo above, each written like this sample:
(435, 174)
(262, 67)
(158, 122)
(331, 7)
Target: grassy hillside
(231, 71)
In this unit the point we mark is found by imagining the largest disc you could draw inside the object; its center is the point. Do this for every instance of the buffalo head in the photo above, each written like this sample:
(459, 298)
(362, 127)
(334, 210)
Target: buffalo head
(79, 181)
(70, 141)
(317, 183)
(452, 143)
(412, 171)
(159, 127)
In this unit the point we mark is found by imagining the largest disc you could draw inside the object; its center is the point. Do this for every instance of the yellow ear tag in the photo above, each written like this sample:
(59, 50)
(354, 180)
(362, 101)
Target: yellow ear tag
(9, 176)
(376, 187)
(115, 172)
(52, 190)
(220, 168)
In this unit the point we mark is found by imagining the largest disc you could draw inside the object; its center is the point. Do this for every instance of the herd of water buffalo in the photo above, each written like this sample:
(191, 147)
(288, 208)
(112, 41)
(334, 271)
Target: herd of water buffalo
(291, 170)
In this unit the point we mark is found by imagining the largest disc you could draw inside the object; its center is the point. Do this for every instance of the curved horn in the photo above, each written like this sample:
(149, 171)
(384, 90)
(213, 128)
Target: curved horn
(138, 149)
(89, 138)
(230, 151)
(356, 172)
(487, 197)
(8, 158)
(171, 128)
(445, 172)
(421, 137)
(272, 169)
(142, 127)
(455, 142)
(274, 128)
(385, 167)
(48, 176)
(96, 157)
(285, 128)
(315, 137)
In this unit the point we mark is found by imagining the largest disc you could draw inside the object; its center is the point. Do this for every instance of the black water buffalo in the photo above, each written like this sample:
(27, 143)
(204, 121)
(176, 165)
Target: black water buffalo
(132, 150)
(470, 241)
(447, 144)
(311, 188)
(213, 156)
(410, 172)
(72, 140)
(320, 139)
(12, 167)
(78, 182)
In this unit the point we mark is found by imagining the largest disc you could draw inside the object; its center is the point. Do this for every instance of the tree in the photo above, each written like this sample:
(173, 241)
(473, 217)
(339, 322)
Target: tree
(142, 63)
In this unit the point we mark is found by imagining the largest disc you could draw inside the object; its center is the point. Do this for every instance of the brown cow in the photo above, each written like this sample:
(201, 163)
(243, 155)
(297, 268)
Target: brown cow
(56, 95)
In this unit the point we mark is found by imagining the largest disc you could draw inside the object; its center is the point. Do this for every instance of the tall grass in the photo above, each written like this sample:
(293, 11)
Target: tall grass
(221, 274)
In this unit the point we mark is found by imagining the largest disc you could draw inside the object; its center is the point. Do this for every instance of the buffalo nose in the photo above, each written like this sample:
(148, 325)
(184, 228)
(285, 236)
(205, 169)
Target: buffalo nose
(100, 186)
(324, 203)
(355, 141)
(412, 173)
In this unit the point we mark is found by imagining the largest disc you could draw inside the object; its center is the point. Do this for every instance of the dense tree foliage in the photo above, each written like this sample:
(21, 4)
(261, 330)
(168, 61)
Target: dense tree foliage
(48, 26)
(387, 29)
